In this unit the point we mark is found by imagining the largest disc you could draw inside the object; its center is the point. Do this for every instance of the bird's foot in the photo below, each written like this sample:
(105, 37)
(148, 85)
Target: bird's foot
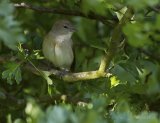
(63, 72)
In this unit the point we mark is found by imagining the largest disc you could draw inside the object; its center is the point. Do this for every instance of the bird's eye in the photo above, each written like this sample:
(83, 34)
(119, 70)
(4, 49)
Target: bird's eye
(65, 26)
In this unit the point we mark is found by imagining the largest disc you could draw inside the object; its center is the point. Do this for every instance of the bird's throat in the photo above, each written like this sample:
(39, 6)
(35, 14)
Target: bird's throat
(64, 37)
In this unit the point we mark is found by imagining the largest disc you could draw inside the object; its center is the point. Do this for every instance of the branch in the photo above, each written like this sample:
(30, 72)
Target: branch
(90, 15)
(150, 54)
(70, 77)
(155, 8)
(115, 41)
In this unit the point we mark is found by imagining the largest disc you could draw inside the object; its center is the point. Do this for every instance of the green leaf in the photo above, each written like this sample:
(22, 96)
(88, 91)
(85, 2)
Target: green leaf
(10, 32)
(121, 13)
(88, 34)
(18, 76)
(34, 112)
(5, 4)
(13, 72)
(131, 68)
(97, 6)
(47, 78)
(123, 75)
(141, 4)
(61, 114)
(136, 36)
(5, 74)
(147, 117)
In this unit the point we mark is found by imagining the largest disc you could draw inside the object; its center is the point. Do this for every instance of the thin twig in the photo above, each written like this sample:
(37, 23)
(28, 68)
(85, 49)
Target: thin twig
(90, 15)
(150, 54)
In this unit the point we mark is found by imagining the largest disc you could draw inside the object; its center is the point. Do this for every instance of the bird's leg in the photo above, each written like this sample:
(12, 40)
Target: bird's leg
(63, 72)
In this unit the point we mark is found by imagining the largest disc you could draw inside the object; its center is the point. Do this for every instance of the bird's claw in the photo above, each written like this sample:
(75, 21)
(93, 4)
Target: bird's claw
(62, 73)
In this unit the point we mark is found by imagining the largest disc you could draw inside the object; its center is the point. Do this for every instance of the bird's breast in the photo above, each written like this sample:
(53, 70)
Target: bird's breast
(63, 54)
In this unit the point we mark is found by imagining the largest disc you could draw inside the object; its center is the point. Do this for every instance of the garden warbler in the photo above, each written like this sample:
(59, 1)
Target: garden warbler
(57, 45)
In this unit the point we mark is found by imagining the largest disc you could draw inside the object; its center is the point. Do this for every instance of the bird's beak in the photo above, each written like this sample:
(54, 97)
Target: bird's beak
(72, 29)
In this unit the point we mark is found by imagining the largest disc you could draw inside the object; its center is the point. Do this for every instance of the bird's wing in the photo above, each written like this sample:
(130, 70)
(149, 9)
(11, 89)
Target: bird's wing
(49, 48)
(50, 40)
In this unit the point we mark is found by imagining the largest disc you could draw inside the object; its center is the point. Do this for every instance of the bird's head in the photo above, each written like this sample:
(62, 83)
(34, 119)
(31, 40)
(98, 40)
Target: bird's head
(63, 27)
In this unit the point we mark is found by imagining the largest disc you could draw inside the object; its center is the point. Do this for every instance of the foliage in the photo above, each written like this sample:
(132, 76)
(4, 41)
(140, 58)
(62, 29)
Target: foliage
(10, 31)
(130, 95)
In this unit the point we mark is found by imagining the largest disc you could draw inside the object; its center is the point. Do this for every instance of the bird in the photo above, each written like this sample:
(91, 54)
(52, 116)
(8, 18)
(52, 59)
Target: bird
(57, 45)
